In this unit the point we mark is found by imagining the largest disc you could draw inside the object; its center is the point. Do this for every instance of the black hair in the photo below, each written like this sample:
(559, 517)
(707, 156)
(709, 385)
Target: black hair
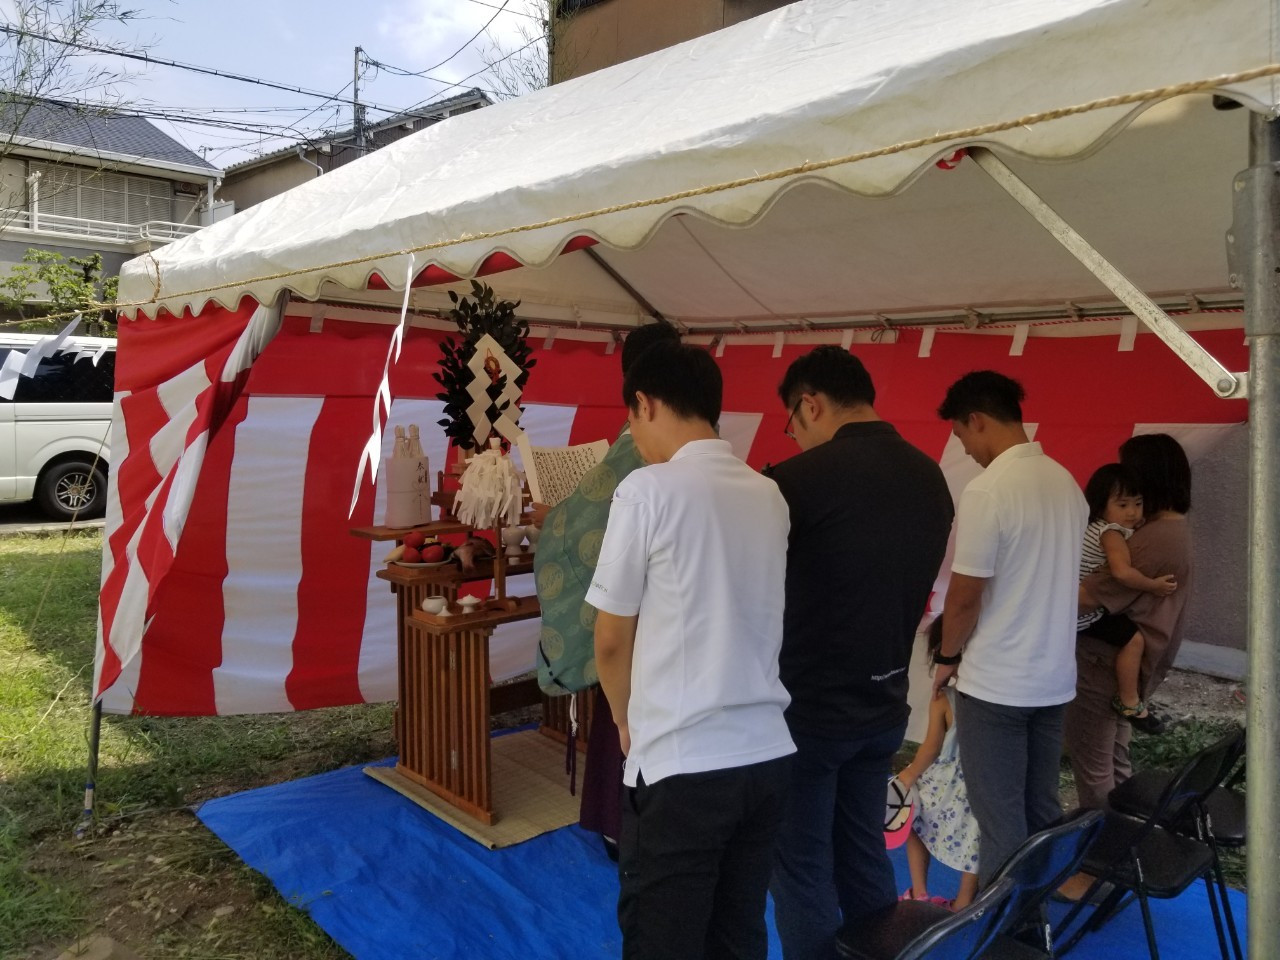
(642, 338)
(934, 636)
(829, 370)
(683, 377)
(1163, 471)
(1109, 480)
(984, 391)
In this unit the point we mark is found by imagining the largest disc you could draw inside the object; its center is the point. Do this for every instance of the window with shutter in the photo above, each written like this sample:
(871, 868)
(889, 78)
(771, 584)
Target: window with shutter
(59, 189)
(85, 194)
(115, 197)
(149, 199)
(91, 199)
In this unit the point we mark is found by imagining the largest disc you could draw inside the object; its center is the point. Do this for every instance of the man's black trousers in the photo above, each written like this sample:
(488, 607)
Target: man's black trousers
(695, 855)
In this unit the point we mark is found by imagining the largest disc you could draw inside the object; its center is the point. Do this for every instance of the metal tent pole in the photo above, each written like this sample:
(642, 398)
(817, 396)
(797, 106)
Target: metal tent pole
(95, 735)
(1254, 245)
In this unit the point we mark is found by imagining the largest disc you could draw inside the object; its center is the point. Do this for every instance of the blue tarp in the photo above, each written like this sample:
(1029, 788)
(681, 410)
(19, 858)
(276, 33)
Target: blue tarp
(386, 879)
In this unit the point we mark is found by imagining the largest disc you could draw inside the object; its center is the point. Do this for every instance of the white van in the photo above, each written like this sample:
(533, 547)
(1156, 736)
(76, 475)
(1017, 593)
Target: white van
(55, 431)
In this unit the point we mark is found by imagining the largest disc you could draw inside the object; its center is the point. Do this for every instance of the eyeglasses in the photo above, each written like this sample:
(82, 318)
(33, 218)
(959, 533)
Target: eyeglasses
(794, 410)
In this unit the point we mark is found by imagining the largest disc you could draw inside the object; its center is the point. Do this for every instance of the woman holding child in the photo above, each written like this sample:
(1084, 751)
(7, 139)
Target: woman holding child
(1097, 733)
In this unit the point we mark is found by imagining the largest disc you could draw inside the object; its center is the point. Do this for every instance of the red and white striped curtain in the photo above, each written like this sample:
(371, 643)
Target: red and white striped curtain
(230, 582)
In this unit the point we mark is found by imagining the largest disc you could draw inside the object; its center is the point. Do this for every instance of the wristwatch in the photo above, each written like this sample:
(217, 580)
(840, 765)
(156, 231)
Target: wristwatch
(945, 661)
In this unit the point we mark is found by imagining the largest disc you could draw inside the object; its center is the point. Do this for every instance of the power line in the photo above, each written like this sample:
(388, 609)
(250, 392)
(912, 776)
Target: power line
(204, 111)
(425, 74)
(210, 71)
(471, 41)
(488, 66)
(518, 13)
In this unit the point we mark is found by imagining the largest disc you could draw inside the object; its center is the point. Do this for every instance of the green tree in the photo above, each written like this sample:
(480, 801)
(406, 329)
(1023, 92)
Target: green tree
(46, 282)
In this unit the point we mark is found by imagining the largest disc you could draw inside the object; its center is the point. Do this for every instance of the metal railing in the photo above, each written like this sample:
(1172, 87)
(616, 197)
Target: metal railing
(156, 231)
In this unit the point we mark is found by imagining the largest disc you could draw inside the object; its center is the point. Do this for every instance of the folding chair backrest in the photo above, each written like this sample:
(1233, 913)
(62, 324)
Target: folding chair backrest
(1197, 779)
(968, 932)
(1045, 860)
(1232, 771)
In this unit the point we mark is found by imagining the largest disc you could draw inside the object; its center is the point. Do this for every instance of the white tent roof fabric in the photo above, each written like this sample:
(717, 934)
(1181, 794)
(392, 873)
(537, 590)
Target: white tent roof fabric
(813, 81)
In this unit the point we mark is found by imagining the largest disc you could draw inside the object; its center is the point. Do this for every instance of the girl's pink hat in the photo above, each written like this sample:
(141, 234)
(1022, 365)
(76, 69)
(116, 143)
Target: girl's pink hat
(899, 813)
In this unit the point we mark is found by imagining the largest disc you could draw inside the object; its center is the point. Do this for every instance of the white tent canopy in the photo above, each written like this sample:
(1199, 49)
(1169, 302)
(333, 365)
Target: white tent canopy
(809, 83)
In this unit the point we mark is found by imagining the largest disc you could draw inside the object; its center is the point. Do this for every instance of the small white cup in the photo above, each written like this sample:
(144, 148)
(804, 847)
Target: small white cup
(532, 532)
(469, 603)
(434, 605)
(511, 536)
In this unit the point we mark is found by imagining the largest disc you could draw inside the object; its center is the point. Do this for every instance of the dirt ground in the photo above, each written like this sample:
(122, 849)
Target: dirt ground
(1184, 694)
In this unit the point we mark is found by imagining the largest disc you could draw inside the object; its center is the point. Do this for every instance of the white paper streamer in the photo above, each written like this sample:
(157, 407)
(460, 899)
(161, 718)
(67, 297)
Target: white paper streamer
(382, 399)
(47, 347)
(18, 364)
(490, 488)
(9, 374)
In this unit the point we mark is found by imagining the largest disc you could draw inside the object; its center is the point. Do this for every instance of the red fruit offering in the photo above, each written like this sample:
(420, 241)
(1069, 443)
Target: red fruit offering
(414, 539)
(410, 555)
(432, 553)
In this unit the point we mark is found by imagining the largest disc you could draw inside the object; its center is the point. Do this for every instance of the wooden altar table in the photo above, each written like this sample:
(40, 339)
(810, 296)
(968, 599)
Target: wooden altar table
(442, 665)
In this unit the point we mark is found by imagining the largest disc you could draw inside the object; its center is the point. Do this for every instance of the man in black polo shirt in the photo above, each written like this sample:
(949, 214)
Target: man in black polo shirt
(870, 516)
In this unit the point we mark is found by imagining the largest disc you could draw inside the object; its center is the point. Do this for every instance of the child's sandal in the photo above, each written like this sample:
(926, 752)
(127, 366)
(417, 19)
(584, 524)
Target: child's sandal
(1126, 711)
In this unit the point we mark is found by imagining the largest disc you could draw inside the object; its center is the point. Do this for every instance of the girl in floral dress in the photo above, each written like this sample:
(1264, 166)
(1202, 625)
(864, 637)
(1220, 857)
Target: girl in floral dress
(944, 828)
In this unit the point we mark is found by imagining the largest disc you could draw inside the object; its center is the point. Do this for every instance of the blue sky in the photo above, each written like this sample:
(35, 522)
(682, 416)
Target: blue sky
(309, 44)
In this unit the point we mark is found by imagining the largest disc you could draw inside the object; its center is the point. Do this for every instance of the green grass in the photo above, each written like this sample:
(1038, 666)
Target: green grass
(32, 906)
(147, 874)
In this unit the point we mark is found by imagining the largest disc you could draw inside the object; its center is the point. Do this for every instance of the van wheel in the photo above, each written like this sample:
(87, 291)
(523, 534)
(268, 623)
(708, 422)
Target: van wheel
(72, 489)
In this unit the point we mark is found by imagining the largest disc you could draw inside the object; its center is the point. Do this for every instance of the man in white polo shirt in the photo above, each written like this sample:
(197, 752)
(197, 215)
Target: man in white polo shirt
(1011, 607)
(689, 588)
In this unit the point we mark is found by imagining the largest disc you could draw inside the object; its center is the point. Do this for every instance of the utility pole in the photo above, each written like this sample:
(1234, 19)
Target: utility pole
(357, 111)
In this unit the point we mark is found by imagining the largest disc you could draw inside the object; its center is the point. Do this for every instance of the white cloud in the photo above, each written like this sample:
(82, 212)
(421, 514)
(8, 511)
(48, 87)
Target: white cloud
(422, 33)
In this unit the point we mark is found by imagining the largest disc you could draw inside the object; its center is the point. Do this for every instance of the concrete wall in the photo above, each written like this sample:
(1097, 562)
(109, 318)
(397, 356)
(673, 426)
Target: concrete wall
(12, 251)
(1216, 613)
(616, 30)
(260, 183)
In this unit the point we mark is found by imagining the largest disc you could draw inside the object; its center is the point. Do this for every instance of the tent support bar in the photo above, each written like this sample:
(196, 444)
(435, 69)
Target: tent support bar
(621, 281)
(1221, 380)
(1255, 235)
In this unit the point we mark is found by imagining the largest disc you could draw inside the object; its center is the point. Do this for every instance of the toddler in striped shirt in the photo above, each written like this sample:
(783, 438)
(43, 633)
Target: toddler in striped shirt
(1115, 511)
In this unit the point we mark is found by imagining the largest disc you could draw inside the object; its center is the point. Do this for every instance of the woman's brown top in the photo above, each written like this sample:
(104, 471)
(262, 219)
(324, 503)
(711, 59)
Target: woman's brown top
(1158, 547)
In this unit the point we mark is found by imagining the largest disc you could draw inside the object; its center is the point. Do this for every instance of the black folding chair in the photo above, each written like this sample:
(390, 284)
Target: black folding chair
(1216, 819)
(1143, 860)
(1224, 806)
(1037, 869)
(912, 929)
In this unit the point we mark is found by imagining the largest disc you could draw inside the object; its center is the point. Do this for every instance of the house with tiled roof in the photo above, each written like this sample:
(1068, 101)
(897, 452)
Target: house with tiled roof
(253, 181)
(79, 179)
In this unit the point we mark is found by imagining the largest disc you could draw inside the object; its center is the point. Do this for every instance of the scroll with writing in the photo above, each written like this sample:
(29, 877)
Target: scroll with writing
(554, 472)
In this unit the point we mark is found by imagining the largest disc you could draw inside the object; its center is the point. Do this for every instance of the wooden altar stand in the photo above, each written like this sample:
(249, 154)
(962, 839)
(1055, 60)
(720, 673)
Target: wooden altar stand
(445, 696)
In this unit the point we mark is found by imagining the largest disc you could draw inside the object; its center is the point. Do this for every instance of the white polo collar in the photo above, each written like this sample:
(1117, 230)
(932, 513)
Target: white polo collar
(703, 448)
(1031, 448)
